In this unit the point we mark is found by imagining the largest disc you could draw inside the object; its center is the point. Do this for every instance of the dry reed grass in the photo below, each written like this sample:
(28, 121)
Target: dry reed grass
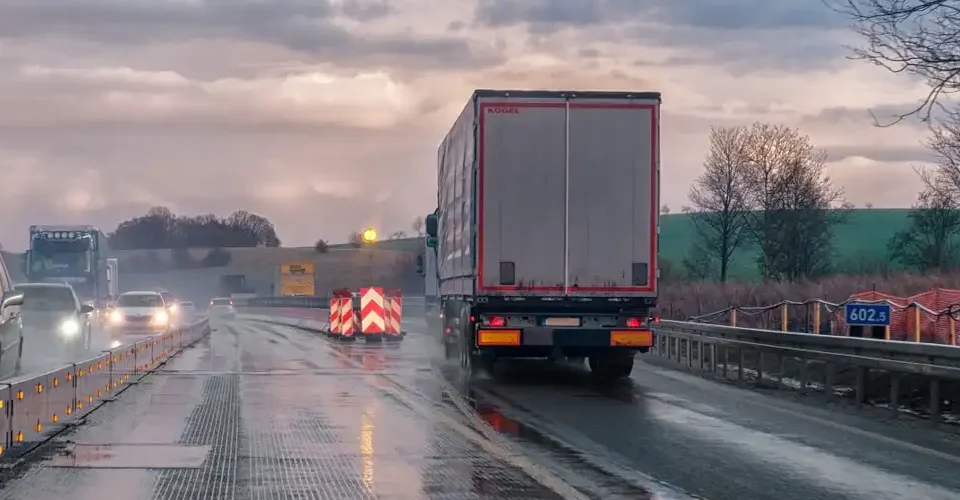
(685, 300)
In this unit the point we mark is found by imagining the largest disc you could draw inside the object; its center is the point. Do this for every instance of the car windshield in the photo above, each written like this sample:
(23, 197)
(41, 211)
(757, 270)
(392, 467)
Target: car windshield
(47, 298)
(140, 300)
(220, 302)
(167, 297)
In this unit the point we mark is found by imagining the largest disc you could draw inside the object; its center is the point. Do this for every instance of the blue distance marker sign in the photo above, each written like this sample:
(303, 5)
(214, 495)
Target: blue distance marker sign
(867, 314)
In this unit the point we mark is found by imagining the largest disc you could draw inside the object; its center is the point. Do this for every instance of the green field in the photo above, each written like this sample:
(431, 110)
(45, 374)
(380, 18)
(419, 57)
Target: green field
(864, 236)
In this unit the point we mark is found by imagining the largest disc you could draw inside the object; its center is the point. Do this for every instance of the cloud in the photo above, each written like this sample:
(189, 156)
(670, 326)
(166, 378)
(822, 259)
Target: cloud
(325, 115)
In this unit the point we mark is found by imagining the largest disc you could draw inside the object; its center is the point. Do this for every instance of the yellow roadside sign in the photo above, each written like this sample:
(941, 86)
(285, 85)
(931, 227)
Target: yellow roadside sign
(297, 285)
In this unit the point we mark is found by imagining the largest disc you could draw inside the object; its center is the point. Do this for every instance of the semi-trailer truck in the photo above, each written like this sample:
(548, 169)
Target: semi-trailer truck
(546, 230)
(71, 254)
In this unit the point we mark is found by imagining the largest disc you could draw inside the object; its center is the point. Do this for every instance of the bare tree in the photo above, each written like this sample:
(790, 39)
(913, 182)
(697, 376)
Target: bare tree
(944, 143)
(930, 243)
(321, 246)
(417, 225)
(789, 198)
(665, 210)
(398, 235)
(719, 201)
(918, 37)
(699, 264)
(869, 205)
(355, 238)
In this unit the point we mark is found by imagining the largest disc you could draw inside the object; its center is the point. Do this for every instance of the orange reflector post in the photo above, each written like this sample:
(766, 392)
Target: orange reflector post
(631, 338)
(498, 337)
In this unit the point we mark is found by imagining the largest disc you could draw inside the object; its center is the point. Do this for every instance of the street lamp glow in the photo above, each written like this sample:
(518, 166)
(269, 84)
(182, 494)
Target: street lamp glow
(369, 235)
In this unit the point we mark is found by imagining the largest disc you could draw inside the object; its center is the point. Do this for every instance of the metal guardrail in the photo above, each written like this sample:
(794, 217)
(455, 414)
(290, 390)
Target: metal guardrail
(923, 313)
(712, 345)
(37, 406)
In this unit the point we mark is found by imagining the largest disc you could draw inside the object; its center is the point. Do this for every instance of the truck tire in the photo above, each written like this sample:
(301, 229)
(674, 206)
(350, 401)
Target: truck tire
(611, 367)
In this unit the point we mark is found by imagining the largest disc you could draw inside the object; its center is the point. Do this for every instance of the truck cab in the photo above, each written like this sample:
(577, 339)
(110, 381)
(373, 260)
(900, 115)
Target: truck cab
(69, 254)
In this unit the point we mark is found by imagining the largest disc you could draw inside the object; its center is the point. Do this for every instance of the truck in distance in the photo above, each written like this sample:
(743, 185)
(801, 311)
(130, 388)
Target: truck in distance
(74, 255)
(546, 230)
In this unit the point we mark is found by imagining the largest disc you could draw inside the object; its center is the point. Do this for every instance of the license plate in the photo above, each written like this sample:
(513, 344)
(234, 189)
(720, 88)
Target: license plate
(561, 322)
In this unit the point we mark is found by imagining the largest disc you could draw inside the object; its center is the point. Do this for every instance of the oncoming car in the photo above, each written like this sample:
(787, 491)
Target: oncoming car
(138, 313)
(221, 308)
(54, 318)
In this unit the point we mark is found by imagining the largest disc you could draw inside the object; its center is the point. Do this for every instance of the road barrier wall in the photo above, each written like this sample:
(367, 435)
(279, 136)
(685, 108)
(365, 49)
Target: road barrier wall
(37, 406)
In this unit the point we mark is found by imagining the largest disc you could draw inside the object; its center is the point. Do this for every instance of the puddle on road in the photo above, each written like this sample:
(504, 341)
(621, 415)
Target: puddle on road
(130, 456)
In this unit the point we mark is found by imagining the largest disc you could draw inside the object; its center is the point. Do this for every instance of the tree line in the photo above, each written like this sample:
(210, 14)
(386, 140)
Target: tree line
(161, 228)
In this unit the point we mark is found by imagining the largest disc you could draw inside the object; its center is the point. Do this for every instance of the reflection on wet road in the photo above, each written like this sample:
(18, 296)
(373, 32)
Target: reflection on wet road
(267, 411)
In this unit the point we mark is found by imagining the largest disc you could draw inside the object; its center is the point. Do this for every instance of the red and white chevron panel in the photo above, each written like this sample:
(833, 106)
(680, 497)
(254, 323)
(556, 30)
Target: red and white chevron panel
(394, 315)
(372, 310)
(348, 319)
(335, 315)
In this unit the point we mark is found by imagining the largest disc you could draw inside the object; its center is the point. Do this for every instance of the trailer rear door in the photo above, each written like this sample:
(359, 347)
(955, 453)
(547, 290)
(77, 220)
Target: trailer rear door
(613, 198)
(568, 195)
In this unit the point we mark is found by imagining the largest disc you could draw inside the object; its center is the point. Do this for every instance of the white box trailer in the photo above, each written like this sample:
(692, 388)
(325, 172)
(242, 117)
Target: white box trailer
(547, 227)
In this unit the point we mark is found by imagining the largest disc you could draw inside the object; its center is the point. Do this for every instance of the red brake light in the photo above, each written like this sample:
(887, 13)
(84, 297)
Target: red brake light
(633, 323)
(498, 321)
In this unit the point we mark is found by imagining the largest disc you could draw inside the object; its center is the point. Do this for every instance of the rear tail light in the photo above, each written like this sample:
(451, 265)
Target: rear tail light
(633, 323)
(498, 321)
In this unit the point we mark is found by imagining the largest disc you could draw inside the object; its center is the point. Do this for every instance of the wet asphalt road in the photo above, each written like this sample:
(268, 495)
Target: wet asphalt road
(287, 414)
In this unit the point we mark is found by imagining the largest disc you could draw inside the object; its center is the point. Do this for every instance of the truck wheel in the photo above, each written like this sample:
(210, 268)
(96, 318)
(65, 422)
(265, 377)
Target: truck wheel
(611, 367)
(449, 350)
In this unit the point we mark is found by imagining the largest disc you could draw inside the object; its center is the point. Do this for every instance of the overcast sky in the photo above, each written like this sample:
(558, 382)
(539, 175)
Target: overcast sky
(325, 115)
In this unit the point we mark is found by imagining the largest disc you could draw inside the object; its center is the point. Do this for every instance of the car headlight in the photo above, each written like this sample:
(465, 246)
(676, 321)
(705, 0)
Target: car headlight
(161, 318)
(70, 327)
(173, 308)
(116, 317)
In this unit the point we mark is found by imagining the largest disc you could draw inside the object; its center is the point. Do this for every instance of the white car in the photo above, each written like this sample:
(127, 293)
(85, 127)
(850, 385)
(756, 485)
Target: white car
(138, 313)
(221, 308)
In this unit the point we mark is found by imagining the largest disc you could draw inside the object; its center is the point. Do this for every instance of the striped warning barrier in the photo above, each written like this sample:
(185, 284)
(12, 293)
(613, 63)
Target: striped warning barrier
(371, 311)
(348, 318)
(394, 312)
(335, 315)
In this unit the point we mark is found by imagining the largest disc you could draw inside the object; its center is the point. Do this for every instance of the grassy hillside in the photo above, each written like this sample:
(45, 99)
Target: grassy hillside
(863, 236)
